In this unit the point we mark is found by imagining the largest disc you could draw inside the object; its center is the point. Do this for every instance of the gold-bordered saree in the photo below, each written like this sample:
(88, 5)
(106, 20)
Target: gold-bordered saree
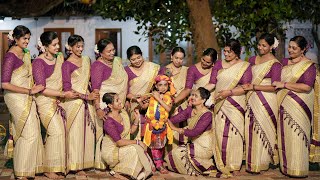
(229, 117)
(25, 124)
(295, 121)
(131, 159)
(80, 121)
(51, 118)
(116, 83)
(261, 122)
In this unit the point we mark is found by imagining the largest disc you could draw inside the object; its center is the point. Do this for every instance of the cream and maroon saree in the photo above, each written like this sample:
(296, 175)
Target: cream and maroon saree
(229, 117)
(80, 121)
(261, 122)
(295, 121)
(52, 117)
(130, 160)
(25, 124)
(116, 83)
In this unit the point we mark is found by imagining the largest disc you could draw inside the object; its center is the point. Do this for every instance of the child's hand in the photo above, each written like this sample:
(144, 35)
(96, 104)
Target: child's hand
(137, 114)
(156, 95)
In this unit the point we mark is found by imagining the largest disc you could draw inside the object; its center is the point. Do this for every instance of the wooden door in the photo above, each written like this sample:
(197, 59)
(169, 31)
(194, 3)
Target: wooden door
(115, 37)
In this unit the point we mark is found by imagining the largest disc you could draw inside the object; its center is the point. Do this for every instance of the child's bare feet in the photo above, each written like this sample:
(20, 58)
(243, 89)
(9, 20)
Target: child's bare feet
(163, 170)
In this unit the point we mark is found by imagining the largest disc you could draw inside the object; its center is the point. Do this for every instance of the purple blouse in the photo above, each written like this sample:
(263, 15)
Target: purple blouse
(162, 70)
(67, 69)
(99, 73)
(10, 63)
(203, 124)
(308, 77)
(245, 79)
(113, 128)
(275, 71)
(41, 71)
(131, 75)
(193, 74)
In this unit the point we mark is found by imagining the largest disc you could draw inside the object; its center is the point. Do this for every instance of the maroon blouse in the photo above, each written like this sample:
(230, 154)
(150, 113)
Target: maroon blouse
(10, 63)
(308, 77)
(245, 79)
(113, 128)
(275, 71)
(193, 74)
(203, 124)
(41, 71)
(67, 69)
(99, 73)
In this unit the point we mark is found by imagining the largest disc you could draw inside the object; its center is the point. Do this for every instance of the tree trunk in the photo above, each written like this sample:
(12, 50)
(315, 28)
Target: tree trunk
(281, 50)
(202, 28)
(315, 33)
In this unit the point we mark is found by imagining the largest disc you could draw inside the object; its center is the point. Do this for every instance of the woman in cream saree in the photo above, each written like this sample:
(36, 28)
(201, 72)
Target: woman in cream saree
(141, 76)
(26, 146)
(107, 76)
(125, 157)
(262, 108)
(80, 112)
(296, 100)
(230, 105)
(195, 157)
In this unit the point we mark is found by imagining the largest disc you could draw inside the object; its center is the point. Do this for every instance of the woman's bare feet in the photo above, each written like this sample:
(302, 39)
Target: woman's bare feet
(81, 173)
(163, 170)
(52, 175)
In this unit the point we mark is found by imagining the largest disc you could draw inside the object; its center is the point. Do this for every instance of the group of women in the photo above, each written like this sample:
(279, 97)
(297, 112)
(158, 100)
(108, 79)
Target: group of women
(262, 111)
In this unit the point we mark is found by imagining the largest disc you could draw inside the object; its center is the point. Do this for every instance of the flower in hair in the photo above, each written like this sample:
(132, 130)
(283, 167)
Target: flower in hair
(276, 43)
(67, 46)
(96, 50)
(40, 46)
(10, 36)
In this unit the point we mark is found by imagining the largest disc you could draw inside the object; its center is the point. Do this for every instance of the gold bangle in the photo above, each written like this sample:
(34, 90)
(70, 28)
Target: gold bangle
(29, 92)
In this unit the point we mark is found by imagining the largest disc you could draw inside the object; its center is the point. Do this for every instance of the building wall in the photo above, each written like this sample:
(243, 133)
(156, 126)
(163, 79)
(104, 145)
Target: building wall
(84, 27)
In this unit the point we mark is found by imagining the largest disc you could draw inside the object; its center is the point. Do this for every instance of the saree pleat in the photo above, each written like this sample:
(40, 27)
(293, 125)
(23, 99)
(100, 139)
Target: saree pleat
(229, 117)
(130, 160)
(55, 142)
(116, 83)
(315, 142)
(80, 122)
(25, 124)
(295, 120)
(261, 123)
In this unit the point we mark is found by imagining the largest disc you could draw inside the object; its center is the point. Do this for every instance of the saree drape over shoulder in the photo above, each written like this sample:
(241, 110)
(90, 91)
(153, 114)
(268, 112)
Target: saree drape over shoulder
(261, 120)
(130, 160)
(295, 121)
(80, 121)
(53, 119)
(25, 123)
(229, 115)
(141, 85)
(116, 83)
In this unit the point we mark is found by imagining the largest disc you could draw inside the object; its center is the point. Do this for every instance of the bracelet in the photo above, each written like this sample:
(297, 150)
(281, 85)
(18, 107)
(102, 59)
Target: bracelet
(62, 94)
(137, 141)
(231, 93)
(284, 85)
(253, 88)
(29, 92)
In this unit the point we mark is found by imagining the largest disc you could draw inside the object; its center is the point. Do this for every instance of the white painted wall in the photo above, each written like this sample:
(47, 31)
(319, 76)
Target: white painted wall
(84, 27)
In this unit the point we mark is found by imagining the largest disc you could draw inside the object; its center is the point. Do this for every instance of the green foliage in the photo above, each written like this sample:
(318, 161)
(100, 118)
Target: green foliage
(166, 21)
(250, 18)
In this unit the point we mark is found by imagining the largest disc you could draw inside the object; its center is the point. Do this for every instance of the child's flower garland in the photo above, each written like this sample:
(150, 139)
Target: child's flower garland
(153, 104)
